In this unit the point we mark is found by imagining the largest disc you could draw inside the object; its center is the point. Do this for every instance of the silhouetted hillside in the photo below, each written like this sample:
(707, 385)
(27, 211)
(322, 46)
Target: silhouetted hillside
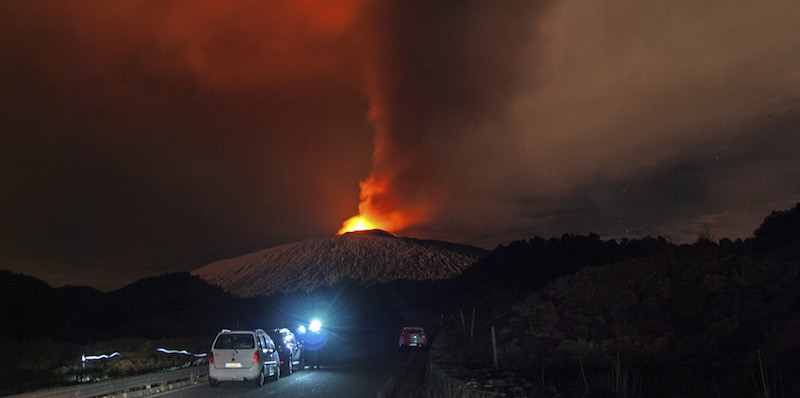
(84, 314)
(171, 305)
(575, 315)
(530, 265)
(29, 304)
(166, 306)
(640, 318)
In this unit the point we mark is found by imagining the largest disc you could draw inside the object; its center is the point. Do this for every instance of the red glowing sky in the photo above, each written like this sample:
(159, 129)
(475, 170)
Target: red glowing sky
(148, 137)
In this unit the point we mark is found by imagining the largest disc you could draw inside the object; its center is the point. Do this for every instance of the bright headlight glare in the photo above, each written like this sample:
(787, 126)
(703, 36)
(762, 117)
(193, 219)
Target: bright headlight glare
(315, 326)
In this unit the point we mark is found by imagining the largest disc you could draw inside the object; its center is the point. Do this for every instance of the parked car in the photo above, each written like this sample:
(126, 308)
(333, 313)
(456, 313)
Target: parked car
(413, 336)
(289, 348)
(243, 355)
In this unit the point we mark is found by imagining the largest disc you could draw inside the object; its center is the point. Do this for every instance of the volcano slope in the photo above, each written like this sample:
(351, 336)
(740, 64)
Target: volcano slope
(368, 257)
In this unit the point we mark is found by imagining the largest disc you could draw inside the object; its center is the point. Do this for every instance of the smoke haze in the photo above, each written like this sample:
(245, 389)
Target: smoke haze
(620, 119)
(145, 137)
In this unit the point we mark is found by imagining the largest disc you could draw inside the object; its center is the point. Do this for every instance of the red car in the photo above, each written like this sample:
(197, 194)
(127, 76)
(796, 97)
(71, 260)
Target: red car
(413, 337)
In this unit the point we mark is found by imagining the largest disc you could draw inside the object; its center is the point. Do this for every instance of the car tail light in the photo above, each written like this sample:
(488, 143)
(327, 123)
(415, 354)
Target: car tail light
(211, 357)
(422, 335)
(255, 357)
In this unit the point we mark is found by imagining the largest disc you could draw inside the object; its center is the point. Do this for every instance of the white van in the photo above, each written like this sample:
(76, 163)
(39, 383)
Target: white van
(243, 355)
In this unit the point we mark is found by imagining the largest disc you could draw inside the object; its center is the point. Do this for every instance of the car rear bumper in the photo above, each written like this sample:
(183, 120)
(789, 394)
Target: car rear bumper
(223, 374)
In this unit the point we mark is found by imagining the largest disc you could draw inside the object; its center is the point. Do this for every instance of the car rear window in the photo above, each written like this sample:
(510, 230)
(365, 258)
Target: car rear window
(234, 341)
(412, 331)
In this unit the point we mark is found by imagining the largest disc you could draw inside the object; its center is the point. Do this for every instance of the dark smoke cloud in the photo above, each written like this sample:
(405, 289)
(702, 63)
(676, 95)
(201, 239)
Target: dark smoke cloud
(144, 137)
(440, 76)
(614, 118)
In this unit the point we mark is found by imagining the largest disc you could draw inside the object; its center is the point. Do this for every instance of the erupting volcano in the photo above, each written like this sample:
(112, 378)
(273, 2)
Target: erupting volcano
(366, 219)
(355, 224)
(377, 211)
(366, 257)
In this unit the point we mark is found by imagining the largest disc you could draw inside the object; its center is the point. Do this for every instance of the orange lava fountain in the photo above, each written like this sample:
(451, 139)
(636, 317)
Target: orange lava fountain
(376, 211)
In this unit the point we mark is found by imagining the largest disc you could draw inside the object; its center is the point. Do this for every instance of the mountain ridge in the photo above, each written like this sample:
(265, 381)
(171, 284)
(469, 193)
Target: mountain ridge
(369, 257)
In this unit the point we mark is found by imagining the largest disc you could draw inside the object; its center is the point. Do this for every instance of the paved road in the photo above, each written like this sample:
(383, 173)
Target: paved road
(361, 372)
(326, 382)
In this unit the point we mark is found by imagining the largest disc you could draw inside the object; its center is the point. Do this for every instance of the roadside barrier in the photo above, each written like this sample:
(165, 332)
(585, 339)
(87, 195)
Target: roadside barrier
(129, 387)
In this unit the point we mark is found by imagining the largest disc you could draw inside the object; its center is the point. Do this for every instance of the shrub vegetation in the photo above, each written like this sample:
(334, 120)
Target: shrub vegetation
(645, 317)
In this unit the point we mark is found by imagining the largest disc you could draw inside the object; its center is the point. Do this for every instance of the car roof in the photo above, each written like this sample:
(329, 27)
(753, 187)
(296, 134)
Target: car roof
(252, 331)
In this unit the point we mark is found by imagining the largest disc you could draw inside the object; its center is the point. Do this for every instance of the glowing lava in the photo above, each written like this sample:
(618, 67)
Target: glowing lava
(370, 214)
(356, 223)
(377, 210)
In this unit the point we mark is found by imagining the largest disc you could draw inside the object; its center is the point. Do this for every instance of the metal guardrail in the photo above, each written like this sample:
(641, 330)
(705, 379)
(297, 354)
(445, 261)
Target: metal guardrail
(143, 384)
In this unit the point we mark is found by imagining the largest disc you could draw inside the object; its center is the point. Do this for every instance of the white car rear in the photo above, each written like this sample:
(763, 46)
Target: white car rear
(243, 355)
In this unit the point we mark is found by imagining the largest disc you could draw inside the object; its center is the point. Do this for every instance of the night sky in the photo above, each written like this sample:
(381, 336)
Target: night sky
(144, 137)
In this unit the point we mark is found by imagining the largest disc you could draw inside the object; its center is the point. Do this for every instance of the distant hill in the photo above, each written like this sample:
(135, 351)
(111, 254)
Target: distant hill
(636, 318)
(27, 306)
(369, 257)
(165, 306)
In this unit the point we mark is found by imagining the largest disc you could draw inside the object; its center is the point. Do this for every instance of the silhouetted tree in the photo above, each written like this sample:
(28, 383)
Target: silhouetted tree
(780, 229)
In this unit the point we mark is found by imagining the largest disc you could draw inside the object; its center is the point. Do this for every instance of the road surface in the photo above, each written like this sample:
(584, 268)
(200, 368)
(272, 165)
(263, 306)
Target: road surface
(365, 371)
